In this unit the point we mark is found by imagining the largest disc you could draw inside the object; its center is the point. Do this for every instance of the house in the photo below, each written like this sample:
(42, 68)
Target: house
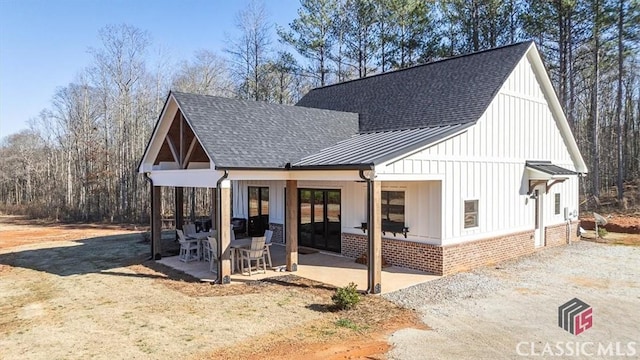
(439, 167)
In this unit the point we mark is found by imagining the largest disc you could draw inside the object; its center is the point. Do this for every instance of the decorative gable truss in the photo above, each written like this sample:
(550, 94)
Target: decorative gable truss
(174, 145)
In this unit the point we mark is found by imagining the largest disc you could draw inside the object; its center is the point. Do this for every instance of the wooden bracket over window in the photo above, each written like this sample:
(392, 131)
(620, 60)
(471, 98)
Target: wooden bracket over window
(534, 183)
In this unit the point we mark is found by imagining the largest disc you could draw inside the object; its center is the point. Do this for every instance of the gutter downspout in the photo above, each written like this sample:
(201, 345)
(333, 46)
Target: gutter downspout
(150, 180)
(370, 280)
(219, 279)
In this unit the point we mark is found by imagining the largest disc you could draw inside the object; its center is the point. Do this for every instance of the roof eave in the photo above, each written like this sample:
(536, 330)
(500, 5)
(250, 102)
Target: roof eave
(154, 132)
(364, 166)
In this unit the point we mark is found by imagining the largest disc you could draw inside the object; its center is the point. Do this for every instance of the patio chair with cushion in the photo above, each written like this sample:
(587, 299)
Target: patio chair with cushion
(189, 229)
(268, 234)
(188, 248)
(254, 253)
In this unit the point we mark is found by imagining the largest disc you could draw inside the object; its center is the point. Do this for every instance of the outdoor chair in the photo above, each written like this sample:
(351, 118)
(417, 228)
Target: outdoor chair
(188, 248)
(254, 253)
(267, 244)
(189, 229)
(211, 253)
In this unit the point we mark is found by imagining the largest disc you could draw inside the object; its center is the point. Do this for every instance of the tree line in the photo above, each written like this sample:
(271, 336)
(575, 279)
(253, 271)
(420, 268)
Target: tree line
(79, 158)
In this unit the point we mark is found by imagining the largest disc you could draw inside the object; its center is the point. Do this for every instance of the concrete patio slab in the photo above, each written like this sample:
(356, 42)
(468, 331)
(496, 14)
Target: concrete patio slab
(328, 268)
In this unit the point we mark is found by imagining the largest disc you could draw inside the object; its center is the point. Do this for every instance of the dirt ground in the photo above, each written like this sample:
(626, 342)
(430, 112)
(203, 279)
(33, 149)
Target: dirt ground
(77, 292)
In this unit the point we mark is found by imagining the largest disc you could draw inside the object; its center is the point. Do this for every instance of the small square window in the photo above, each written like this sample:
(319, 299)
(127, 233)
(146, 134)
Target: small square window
(557, 204)
(470, 213)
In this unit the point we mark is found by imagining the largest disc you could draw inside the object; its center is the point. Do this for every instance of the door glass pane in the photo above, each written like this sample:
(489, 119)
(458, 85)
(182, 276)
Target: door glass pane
(253, 201)
(333, 220)
(318, 218)
(305, 225)
(264, 199)
(264, 209)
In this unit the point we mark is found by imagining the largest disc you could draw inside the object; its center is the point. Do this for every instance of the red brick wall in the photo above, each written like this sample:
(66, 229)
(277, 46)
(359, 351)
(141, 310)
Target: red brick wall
(557, 235)
(399, 252)
(444, 260)
(469, 255)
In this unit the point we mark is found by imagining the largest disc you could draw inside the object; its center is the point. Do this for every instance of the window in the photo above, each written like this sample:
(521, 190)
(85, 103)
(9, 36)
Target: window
(393, 206)
(557, 204)
(470, 213)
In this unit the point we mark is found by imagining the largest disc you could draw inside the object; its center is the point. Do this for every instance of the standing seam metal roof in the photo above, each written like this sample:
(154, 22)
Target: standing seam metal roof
(548, 168)
(377, 147)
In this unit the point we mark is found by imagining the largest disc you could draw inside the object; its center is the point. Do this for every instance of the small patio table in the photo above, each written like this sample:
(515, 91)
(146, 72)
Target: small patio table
(201, 236)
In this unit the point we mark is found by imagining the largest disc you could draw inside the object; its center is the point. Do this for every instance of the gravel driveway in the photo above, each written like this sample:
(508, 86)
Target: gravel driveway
(511, 310)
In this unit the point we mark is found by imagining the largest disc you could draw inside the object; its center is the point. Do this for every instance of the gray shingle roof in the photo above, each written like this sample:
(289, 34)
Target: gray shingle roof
(377, 147)
(250, 134)
(450, 91)
(548, 168)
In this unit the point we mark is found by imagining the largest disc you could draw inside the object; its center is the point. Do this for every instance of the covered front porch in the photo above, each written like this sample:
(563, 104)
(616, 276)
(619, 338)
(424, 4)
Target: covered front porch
(205, 142)
(319, 266)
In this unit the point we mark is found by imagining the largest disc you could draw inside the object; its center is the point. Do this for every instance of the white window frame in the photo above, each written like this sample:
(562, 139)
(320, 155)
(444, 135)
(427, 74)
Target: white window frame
(464, 213)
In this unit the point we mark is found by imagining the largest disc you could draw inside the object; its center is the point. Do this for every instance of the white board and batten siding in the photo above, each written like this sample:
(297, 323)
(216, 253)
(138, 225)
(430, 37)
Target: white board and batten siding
(487, 163)
(424, 224)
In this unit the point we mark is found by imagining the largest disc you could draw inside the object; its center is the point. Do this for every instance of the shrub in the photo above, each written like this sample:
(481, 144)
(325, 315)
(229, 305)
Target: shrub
(602, 232)
(346, 297)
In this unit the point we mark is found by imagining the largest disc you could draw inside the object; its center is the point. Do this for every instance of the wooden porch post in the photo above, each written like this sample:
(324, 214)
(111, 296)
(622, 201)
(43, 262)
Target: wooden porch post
(156, 223)
(179, 207)
(292, 225)
(375, 238)
(224, 231)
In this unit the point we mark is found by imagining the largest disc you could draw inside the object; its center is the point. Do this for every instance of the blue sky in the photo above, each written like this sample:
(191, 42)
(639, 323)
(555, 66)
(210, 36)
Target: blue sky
(44, 43)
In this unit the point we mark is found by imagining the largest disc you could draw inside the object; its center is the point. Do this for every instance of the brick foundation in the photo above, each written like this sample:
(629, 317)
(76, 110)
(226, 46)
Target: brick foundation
(469, 255)
(445, 260)
(398, 252)
(278, 233)
(560, 234)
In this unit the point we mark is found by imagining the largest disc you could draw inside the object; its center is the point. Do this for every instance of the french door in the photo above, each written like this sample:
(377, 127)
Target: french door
(319, 219)
(258, 210)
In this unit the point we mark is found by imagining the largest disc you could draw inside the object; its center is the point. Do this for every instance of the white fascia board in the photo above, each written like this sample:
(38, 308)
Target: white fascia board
(328, 175)
(383, 165)
(206, 178)
(554, 104)
(409, 177)
(159, 134)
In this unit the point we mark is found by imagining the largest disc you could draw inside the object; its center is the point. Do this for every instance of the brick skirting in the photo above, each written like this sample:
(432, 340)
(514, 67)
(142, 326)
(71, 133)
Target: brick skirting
(278, 233)
(445, 260)
(560, 234)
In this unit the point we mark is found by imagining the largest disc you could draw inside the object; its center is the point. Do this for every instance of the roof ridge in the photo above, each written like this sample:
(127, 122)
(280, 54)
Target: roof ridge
(260, 102)
(454, 57)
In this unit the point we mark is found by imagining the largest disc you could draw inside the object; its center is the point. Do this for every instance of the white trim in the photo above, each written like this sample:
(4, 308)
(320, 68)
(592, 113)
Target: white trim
(186, 178)
(409, 177)
(153, 148)
(554, 104)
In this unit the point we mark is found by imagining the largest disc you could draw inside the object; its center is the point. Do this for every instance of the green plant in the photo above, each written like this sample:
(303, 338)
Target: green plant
(346, 297)
(602, 232)
(346, 323)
